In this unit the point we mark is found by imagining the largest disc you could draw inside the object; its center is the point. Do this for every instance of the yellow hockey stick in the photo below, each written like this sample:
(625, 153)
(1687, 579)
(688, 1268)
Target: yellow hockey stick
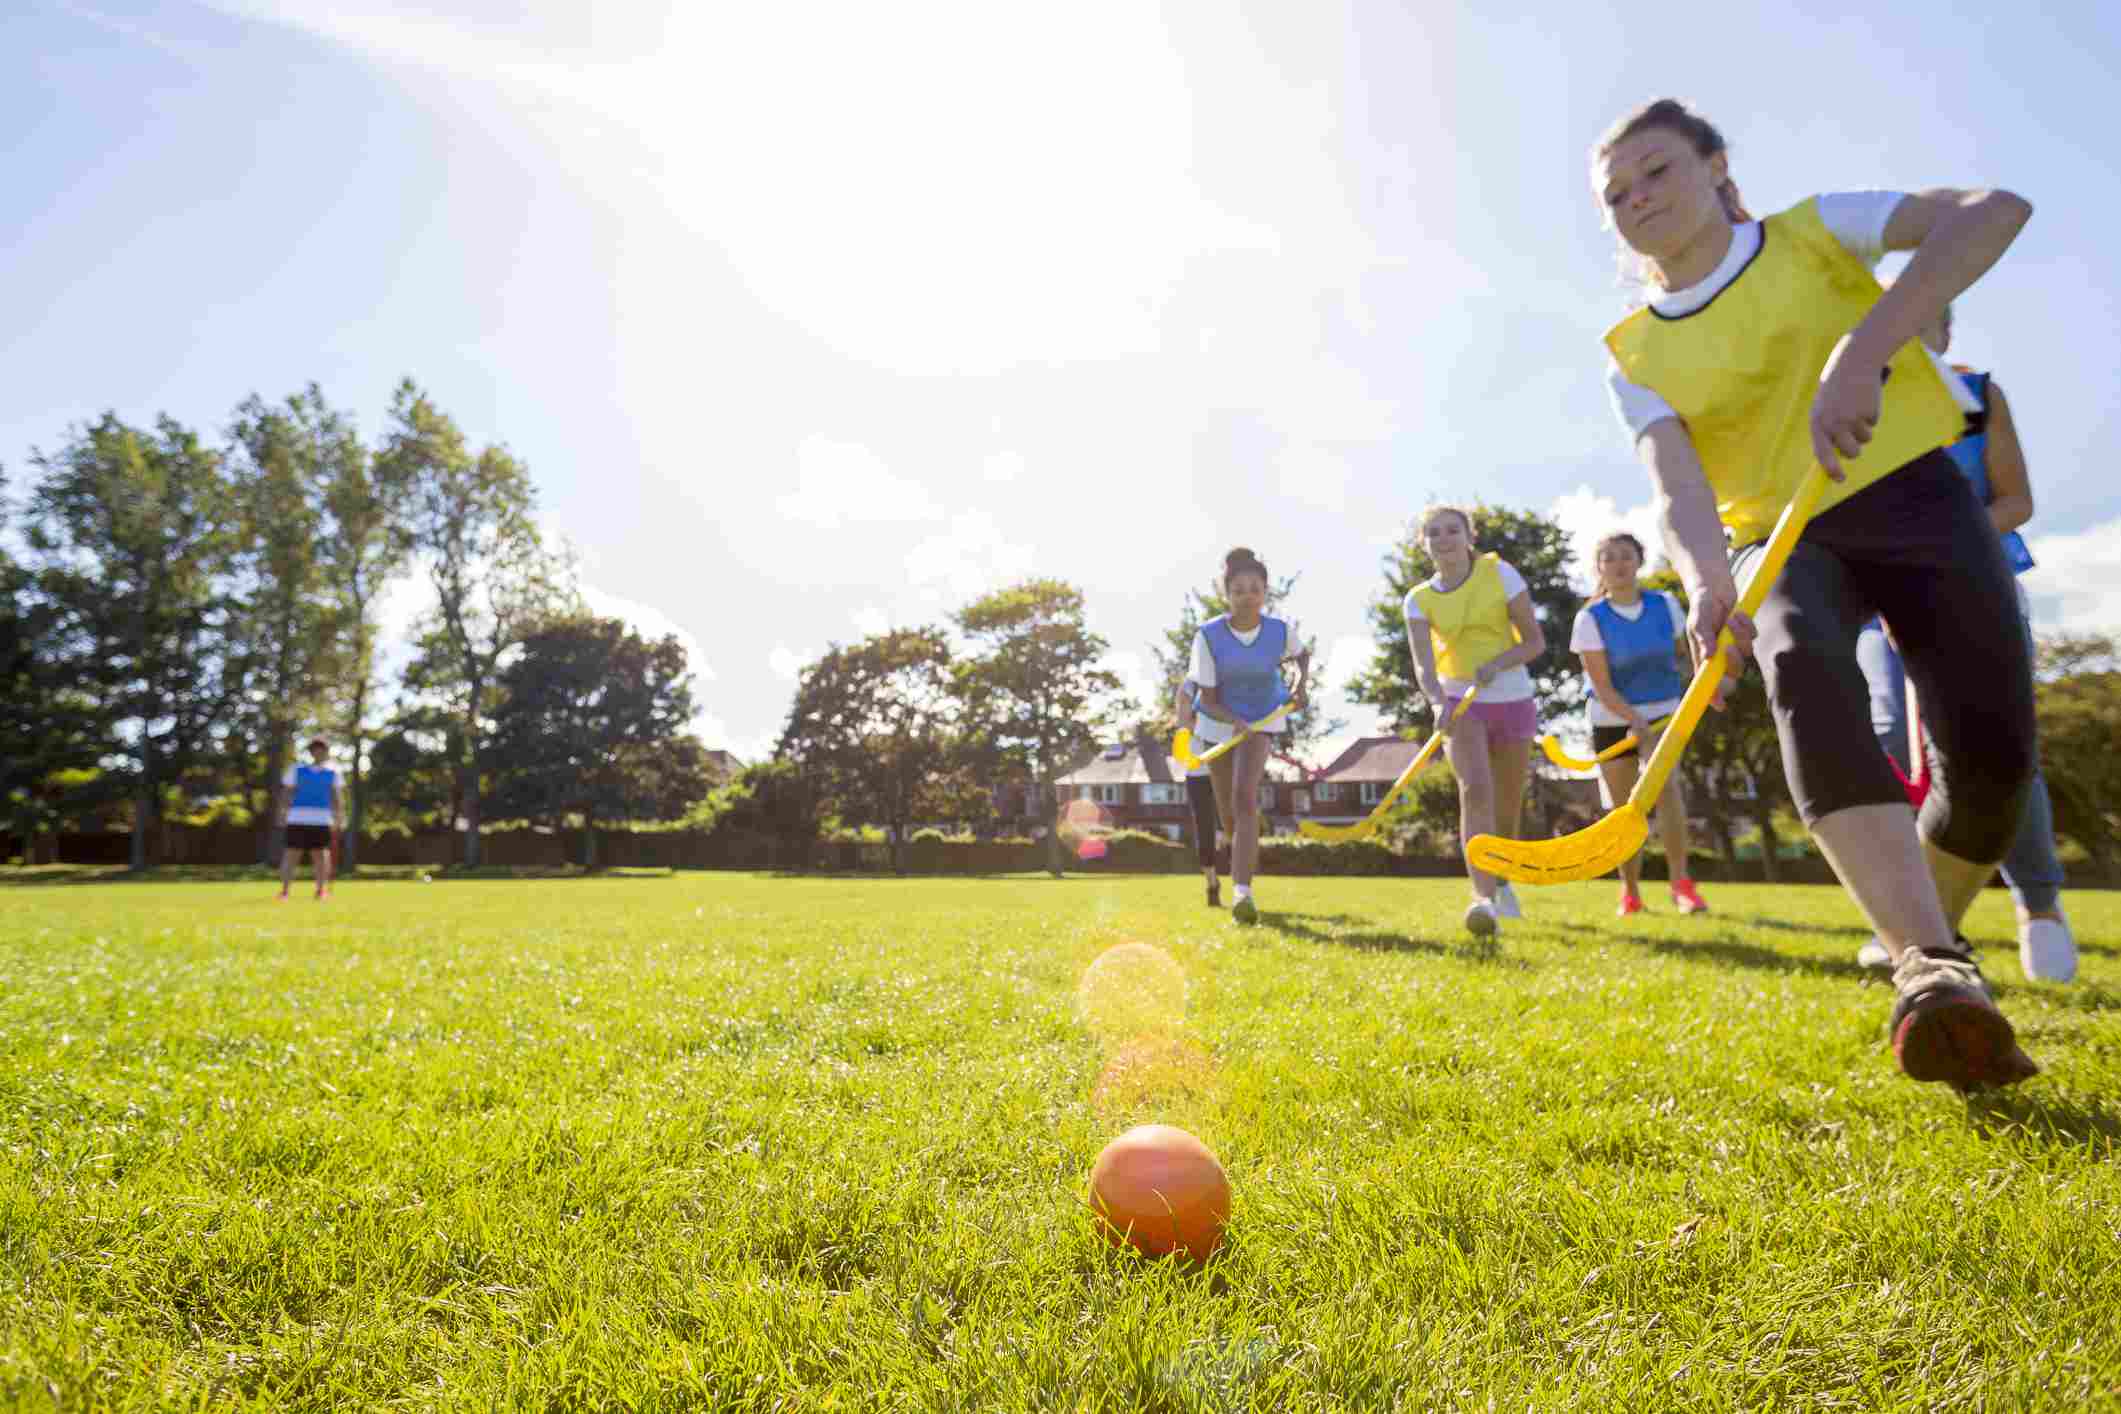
(1551, 745)
(1182, 744)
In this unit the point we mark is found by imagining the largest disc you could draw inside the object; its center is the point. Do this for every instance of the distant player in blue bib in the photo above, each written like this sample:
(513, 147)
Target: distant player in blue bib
(1237, 660)
(312, 810)
(1633, 645)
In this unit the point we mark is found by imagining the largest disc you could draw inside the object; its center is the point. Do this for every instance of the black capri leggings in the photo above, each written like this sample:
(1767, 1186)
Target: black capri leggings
(1917, 548)
(1200, 792)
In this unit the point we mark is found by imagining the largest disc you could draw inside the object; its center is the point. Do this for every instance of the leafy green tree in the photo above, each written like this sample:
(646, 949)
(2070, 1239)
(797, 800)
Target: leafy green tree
(48, 724)
(592, 725)
(2079, 696)
(1035, 699)
(493, 579)
(133, 531)
(283, 624)
(878, 727)
(1538, 548)
(367, 544)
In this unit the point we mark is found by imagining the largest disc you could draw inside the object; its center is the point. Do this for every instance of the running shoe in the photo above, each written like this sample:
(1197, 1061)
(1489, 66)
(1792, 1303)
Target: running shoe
(1873, 957)
(1630, 904)
(1244, 910)
(2047, 950)
(1688, 898)
(1944, 1025)
(1506, 904)
(1215, 895)
(1481, 921)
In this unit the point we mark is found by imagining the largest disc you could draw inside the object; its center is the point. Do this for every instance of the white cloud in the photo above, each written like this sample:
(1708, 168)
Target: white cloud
(969, 558)
(784, 662)
(844, 483)
(869, 621)
(2075, 582)
(714, 732)
(1589, 516)
(1138, 676)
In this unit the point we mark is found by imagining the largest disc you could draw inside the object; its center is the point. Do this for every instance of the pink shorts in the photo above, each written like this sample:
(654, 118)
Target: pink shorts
(1506, 722)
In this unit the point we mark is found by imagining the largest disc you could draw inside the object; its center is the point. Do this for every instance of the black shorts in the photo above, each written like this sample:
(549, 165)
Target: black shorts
(1605, 737)
(309, 837)
(1917, 549)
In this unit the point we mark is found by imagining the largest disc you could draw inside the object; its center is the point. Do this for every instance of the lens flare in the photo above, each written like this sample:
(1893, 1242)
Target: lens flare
(1133, 990)
(1083, 826)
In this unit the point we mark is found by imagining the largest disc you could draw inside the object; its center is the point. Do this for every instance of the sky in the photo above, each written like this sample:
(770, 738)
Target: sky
(815, 319)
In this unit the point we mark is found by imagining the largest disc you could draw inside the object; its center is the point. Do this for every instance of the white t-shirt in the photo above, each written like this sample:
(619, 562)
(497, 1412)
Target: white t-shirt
(1585, 638)
(1511, 685)
(310, 814)
(1210, 729)
(1856, 218)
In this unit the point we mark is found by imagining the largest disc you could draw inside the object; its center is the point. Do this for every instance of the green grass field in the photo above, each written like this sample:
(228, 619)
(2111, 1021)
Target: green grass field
(734, 1142)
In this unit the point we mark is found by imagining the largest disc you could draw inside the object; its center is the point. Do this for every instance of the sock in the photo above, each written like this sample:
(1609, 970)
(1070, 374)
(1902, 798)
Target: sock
(1244, 891)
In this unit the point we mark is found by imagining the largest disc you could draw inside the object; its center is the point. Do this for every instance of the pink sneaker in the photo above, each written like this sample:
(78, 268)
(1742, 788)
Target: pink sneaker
(1687, 897)
(1630, 905)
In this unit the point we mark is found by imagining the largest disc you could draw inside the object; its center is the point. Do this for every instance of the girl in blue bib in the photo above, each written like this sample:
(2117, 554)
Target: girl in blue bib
(1633, 646)
(1237, 660)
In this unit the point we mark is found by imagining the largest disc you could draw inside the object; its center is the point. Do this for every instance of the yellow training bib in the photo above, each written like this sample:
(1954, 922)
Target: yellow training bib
(1470, 624)
(1743, 370)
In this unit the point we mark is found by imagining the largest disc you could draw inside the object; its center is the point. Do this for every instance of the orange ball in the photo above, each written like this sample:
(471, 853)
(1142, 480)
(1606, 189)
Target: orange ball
(1162, 1191)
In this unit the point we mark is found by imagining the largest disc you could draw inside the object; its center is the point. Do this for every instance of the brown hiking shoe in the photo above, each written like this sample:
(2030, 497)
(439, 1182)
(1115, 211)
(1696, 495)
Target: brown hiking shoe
(1945, 1027)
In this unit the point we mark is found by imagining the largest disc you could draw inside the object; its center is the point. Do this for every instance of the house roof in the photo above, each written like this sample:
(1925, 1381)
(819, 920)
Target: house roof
(1372, 758)
(727, 764)
(1144, 762)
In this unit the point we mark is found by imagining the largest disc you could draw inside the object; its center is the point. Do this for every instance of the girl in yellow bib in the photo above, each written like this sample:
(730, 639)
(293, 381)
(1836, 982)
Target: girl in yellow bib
(1764, 348)
(1472, 623)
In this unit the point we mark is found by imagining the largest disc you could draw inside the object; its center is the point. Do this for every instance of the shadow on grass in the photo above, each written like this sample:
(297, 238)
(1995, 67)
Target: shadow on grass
(2056, 1123)
(1783, 925)
(1731, 952)
(1336, 930)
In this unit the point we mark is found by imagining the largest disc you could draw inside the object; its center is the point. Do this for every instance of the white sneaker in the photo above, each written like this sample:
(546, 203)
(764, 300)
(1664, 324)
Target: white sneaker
(2046, 950)
(1480, 919)
(1874, 956)
(1506, 904)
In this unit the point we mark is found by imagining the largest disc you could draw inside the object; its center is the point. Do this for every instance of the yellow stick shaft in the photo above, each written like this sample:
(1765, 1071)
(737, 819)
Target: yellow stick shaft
(1788, 529)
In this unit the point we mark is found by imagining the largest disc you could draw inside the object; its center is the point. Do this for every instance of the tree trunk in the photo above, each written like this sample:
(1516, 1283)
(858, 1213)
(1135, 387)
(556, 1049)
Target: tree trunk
(1055, 863)
(1770, 866)
(471, 815)
(271, 839)
(589, 843)
(352, 860)
(139, 846)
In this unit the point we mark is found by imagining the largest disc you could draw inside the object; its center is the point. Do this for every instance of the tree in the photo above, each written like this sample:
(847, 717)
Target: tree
(2079, 697)
(133, 533)
(1174, 663)
(1034, 696)
(282, 628)
(1538, 548)
(47, 723)
(367, 543)
(591, 724)
(877, 727)
(493, 580)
